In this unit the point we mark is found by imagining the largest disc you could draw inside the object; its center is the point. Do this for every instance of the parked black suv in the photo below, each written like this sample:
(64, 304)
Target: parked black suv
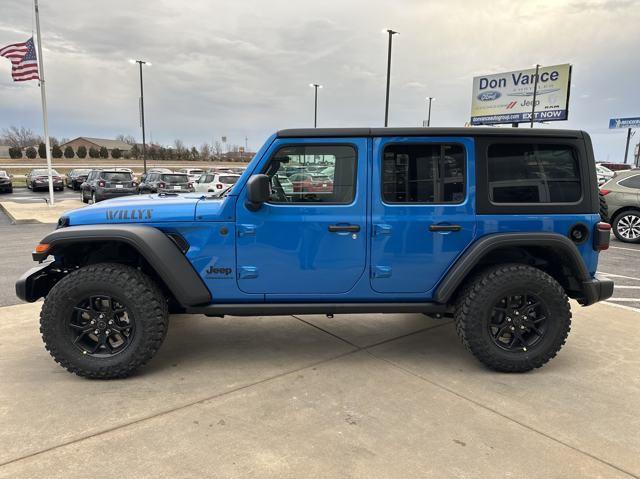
(166, 183)
(6, 185)
(105, 184)
(76, 177)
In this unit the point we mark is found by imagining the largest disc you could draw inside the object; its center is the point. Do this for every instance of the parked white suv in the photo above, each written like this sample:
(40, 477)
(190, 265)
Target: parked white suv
(193, 173)
(213, 182)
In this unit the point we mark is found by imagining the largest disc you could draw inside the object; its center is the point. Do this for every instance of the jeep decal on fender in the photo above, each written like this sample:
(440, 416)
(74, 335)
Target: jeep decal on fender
(129, 214)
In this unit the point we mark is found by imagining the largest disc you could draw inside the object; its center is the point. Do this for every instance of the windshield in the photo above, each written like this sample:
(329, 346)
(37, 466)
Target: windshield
(116, 176)
(44, 172)
(175, 178)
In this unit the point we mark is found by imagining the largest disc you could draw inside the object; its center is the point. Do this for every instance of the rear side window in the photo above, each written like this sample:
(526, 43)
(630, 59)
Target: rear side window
(228, 180)
(423, 173)
(631, 182)
(533, 173)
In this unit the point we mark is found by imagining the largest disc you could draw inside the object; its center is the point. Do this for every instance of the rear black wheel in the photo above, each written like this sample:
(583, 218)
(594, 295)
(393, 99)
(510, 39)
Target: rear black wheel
(513, 317)
(104, 320)
(626, 226)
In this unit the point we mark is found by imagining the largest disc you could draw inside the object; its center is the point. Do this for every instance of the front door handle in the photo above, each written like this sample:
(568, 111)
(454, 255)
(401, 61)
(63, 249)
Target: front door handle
(445, 228)
(344, 228)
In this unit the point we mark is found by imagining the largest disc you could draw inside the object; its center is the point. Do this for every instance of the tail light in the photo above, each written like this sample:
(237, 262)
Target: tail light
(162, 185)
(602, 236)
(604, 192)
(102, 184)
(133, 183)
(189, 185)
(219, 186)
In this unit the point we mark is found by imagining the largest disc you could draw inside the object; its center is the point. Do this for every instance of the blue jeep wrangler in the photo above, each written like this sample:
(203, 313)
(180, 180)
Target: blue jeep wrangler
(496, 228)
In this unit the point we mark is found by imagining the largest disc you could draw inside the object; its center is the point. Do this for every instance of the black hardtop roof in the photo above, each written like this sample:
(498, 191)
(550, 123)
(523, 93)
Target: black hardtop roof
(428, 131)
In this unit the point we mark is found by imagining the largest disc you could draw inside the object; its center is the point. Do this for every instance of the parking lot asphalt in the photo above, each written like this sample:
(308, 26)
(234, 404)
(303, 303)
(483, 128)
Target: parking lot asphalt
(25, 195)
(310, 396)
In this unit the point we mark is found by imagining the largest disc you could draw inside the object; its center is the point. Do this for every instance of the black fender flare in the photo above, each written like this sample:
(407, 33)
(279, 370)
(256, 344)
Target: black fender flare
(485, 245)
(158, 249)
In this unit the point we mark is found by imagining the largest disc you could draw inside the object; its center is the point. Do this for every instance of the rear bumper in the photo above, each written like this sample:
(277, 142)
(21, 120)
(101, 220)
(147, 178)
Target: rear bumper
(596, 289)
(115, 192)
(36, 283)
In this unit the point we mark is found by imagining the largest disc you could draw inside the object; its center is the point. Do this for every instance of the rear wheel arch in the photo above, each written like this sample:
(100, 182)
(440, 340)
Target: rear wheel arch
(552, 253)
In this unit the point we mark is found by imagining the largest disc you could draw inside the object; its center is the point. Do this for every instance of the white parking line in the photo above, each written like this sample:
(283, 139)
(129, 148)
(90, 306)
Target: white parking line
(618, 276)
(622, 306)
(627, 287)
(625, 300)
(626, 249)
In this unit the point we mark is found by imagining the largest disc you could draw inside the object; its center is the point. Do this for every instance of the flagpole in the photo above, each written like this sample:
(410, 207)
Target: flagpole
(44, 105)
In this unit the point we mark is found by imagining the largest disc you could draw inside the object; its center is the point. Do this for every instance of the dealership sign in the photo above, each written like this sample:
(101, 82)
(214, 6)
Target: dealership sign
(624, 122)
(508, 97)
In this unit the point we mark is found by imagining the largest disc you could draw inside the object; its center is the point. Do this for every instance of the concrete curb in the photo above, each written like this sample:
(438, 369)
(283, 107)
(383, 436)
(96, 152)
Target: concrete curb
(20, 222)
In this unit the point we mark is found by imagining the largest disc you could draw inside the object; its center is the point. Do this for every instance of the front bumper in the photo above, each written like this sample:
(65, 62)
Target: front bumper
(36, 283)
(596, 289)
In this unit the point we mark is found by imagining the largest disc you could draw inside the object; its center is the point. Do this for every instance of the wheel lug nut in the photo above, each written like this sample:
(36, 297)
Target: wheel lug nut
(521, 327)
(93, 321)
(111, 321)
(108, 331)
(96, 331)
(509, 320)
(512, 328)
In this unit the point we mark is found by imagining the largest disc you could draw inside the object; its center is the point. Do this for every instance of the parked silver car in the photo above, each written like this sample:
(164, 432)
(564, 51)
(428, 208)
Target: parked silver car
(622, 194)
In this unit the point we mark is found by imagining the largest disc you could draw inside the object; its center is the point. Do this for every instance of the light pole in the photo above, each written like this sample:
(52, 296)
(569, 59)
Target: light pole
(144, 143)
(315, 86)
(386, 103)
(429, 99)
(535, 92)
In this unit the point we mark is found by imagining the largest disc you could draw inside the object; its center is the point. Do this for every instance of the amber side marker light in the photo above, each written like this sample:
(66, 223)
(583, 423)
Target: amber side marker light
(42, 248)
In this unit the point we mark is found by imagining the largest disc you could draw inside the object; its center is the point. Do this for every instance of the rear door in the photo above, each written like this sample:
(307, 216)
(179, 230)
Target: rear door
(423, 213)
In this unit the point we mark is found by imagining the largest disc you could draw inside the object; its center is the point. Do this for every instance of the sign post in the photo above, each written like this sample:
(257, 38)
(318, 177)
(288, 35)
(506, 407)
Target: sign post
(522, 96)
(628, 123)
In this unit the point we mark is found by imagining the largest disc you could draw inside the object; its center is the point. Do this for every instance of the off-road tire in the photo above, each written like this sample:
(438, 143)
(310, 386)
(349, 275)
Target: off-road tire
(474, 308)
(135, 289)
(615, 225)
(84, 198)
(604, 208)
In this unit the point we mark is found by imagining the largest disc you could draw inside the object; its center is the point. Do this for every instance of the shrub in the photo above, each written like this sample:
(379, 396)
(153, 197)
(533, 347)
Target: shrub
(115, 153)
(31, 152)
(42, 150)
(15, 152)
(56, 152)
(135, 152)
(82, 152)
(93, 152)
(68, 152)
(104, 153)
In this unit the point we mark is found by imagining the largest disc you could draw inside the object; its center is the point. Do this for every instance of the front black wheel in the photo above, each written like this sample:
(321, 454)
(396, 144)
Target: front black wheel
(513, 317)
(104, 320)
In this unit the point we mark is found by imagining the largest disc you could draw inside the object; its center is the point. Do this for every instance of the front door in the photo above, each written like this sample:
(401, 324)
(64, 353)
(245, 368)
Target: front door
(422, 210)
(310, 237)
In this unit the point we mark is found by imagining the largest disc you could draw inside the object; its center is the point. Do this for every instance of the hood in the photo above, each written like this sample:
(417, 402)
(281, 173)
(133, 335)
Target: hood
(144, 209)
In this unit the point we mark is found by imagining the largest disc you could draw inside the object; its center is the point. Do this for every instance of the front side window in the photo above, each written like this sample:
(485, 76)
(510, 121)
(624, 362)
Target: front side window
(303, 174)
(423, 173)
(533, 173)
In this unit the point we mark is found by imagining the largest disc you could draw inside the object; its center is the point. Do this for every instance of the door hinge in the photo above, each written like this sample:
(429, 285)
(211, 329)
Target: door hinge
(381, 229)
(246, 230)
(247, 272)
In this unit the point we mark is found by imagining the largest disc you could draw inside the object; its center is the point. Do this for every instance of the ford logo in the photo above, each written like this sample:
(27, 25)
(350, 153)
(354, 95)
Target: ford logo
(489, 95)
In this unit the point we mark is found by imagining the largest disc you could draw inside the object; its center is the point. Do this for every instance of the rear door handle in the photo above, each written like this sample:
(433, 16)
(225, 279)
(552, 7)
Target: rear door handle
(445, 228)
(344, 228)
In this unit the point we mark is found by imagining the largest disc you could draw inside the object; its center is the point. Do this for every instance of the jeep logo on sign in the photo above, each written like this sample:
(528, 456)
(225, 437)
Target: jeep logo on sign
(489, 95)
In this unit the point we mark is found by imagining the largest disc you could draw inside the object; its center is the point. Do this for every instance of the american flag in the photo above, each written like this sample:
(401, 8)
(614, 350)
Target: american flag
(23, 59)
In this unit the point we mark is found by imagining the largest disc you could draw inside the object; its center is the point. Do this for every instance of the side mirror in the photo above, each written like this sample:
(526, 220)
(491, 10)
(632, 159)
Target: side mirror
(258, 191)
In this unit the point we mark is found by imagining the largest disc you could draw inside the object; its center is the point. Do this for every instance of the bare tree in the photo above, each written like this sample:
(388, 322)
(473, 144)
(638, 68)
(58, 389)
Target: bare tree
(217, 148)
(205, 152)
(19, 137)
(128, 139)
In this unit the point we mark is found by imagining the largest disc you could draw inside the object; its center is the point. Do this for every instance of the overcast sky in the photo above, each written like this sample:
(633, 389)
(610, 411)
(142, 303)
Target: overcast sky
(243, 68)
